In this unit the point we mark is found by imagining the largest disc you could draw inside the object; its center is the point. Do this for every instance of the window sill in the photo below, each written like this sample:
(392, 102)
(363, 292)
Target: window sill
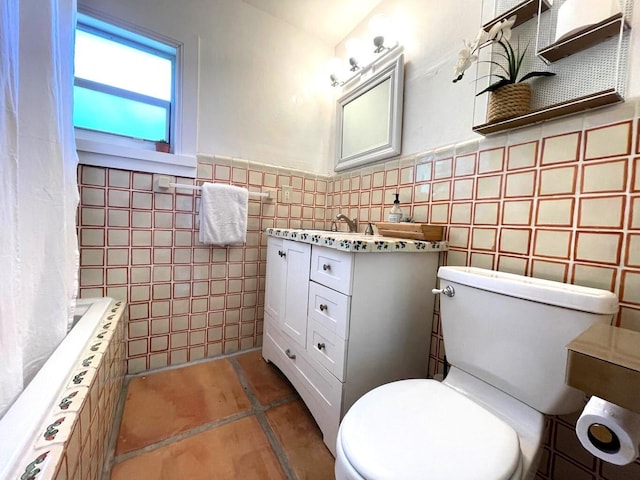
(103, 154)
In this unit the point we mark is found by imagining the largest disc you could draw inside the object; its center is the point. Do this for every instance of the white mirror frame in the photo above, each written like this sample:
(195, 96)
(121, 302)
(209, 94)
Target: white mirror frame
(390, 146)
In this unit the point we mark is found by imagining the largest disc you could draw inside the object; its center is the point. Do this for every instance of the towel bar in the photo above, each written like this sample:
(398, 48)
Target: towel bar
(265, 195)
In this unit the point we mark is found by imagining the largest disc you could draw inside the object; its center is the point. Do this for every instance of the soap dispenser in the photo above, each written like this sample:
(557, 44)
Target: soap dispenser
(395, 214)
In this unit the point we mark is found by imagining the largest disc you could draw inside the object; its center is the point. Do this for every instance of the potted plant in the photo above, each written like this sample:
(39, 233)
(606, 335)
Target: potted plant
(163, 146)
(509, 95)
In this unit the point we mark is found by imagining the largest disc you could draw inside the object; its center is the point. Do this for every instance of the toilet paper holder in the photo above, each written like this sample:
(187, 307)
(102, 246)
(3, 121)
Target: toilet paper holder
(603, 438)
(609, 432)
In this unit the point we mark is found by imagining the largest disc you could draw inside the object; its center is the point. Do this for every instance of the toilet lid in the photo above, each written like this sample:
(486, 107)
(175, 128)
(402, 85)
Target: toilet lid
(424, 429)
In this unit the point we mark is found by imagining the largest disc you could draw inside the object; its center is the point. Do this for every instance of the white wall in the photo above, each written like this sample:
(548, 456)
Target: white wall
(438, 112)
(262, 88)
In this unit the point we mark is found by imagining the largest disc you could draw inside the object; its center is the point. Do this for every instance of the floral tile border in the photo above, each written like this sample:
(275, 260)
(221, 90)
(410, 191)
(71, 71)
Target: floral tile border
(70, 400)
(57, 429)
(41, 460)
(356, 242)
(42, 463)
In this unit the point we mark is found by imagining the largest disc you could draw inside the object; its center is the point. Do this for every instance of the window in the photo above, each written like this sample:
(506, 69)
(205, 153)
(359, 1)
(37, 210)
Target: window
(124, 82)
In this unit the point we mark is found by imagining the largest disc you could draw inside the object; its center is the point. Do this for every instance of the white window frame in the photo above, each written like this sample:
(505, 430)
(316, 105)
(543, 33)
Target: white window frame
(115, 151)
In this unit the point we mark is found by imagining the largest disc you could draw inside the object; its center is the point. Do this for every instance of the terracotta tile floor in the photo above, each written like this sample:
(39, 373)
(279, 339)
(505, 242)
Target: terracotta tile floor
(231, 418)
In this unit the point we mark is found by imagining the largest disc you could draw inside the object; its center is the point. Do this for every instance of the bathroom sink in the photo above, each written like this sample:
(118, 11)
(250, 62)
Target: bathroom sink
(326, 232)
(339, 235)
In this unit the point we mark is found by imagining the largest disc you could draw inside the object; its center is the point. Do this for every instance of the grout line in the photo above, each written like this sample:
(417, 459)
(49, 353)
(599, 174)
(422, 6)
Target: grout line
(109, 460)
(259, 410)
(256, 409)
(182, 435)
(178, 366)
(275, 445)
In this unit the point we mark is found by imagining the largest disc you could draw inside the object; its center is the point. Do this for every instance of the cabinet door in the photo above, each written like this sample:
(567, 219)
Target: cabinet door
(296, 293)
(275, 284)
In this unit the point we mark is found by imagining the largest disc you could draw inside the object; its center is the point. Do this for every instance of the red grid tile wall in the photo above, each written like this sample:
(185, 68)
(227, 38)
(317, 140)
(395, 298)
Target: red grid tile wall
(187, 300)
(564, 207)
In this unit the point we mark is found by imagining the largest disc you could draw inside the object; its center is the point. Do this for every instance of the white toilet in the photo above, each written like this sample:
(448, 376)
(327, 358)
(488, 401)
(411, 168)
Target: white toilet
(505, 338)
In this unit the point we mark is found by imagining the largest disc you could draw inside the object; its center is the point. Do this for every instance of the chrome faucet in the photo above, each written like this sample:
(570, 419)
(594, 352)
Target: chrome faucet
(353, 224)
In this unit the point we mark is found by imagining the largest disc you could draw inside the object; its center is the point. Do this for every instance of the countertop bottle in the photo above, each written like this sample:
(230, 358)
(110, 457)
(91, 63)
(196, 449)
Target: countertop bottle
(395, 214)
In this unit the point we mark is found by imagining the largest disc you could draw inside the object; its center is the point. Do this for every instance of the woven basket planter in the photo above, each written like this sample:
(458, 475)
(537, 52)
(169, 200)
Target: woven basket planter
(509, 101)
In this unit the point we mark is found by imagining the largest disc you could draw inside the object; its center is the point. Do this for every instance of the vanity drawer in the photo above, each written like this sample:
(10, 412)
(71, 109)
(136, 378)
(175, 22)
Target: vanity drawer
(320, 390)
(332, 268)
(326, 348)
(329, 308)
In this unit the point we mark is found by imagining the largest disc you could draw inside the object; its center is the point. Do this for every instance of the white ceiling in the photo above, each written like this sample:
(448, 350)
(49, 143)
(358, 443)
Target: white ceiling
(329, 20)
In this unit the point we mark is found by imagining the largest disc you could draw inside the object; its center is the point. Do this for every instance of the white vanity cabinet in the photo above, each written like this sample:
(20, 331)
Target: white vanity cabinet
(338, 323)
(288, 286)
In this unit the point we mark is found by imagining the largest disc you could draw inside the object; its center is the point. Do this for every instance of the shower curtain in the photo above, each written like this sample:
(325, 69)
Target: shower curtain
(38, 186)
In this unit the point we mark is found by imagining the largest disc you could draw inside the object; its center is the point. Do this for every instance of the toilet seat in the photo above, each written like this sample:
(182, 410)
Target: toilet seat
(424, 429)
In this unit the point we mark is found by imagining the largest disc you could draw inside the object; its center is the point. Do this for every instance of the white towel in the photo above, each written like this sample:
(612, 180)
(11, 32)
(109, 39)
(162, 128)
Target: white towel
(223, 214)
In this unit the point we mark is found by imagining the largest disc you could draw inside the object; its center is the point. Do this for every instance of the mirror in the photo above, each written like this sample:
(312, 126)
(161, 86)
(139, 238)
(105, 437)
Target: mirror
(369, 118)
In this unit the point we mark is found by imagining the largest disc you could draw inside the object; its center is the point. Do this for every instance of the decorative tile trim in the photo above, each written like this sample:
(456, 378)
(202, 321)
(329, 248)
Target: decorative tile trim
(71, 400)
(102, 358)
(41, 463)
(356, 242)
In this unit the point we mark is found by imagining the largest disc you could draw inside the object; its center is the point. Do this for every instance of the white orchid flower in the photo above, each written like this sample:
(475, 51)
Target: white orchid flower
(494, 31)
(509, 23)
(506, 28)
(501, 29)
(500, 34)
(465, 59)
(480, 39)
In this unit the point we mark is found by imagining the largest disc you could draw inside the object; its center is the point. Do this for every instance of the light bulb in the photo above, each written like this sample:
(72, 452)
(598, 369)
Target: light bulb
(354, 48)
(379, 25)
(334, 65)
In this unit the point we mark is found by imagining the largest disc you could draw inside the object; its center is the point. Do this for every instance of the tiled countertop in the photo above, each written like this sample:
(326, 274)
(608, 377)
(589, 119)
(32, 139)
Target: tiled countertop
(356, 242)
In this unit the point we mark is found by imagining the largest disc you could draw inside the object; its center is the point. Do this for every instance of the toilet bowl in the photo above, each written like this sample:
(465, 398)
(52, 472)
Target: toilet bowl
(457, 429)
(505, 337)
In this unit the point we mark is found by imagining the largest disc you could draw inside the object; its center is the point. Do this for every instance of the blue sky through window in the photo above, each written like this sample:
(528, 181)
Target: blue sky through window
(121, 116)
(106, 61)
(122, 86)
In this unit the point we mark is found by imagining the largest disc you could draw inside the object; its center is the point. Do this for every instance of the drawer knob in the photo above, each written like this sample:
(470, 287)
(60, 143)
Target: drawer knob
(326, 267)
(321, 346)
(323, 307)
(281, 253)
(292, 356)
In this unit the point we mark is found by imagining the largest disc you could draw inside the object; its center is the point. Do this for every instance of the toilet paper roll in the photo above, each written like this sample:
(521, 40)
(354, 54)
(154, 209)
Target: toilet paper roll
(609, 432)
(574, 15)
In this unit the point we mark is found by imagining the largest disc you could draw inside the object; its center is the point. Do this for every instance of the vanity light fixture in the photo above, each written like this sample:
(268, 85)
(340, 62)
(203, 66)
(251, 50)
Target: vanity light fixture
(379, 44)
(381, 51)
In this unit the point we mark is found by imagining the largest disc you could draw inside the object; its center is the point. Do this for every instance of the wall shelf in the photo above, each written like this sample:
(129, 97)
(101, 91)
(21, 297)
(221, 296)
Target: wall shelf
(584, 38)
(605, 361)
(524, 12)
(572, 90)
(598, 99)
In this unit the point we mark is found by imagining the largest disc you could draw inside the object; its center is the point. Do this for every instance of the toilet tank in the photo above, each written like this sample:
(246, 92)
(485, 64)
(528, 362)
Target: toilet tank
(511, 331)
